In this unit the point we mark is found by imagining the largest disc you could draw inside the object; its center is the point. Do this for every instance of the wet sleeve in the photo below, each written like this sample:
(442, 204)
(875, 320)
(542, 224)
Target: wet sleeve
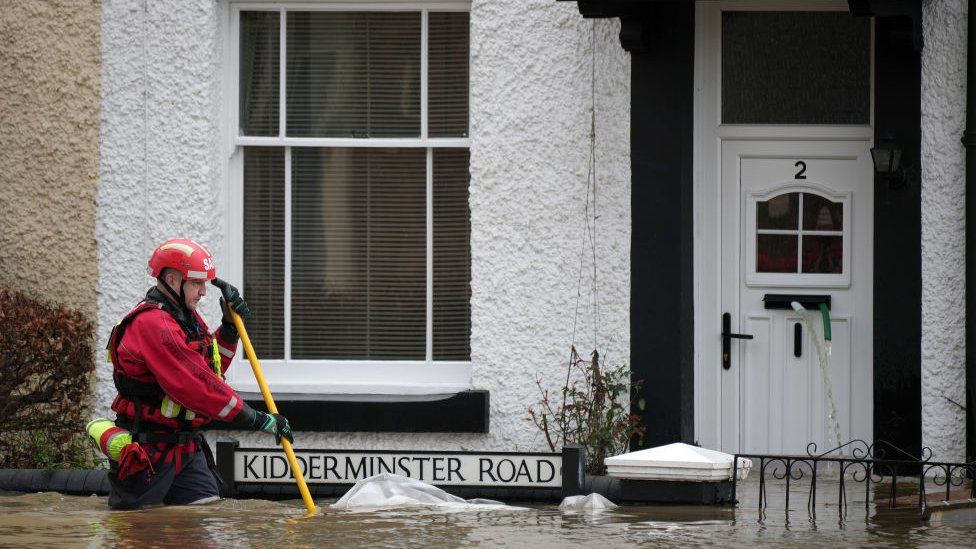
(182, 372)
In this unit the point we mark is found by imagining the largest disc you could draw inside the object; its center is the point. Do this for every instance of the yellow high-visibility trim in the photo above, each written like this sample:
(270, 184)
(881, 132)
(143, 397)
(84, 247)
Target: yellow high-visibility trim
(216, 358)
(169, 408)
(188, 250)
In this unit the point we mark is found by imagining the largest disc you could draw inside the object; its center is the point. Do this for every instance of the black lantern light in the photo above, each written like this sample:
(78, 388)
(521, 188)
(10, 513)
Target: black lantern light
(886, 156)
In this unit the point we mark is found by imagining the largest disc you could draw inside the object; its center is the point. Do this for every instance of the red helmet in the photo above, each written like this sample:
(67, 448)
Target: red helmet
(186, 256)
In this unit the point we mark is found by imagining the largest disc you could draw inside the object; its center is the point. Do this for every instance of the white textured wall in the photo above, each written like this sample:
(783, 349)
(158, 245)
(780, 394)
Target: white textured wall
(943, 229)
(161, 171)
(530, 98)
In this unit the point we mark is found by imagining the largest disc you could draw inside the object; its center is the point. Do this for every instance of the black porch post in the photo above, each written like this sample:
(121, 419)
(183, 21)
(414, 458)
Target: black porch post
(662, 305)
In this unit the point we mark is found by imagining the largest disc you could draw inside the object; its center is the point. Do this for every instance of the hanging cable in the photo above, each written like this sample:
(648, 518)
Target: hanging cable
(589, 232)
(590, 216)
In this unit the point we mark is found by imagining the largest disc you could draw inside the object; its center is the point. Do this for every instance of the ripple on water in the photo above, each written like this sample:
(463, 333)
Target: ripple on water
(55, 520)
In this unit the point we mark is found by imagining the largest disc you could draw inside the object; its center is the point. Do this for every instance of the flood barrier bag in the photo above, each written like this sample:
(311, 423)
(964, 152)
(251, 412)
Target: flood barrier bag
(591, 503)
(387, 490)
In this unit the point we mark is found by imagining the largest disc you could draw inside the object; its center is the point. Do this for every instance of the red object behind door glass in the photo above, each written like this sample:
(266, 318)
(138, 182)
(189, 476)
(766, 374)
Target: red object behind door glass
(776, 253)
(823, 254)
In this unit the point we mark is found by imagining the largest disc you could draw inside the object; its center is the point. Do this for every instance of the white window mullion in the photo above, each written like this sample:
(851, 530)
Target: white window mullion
(234, 113)
(287, 311)
(430, 255)
(282, 74)
(429, 187)
(353, 142)
(423, 74)
(799, 237)
(282, 123)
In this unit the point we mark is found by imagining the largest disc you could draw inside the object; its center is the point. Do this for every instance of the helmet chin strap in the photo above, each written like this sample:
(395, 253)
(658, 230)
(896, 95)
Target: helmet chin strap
(180, 299)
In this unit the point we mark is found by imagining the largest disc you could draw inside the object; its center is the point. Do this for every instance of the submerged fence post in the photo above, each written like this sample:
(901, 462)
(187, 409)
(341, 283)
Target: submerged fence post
(573, 477)
(225, 466)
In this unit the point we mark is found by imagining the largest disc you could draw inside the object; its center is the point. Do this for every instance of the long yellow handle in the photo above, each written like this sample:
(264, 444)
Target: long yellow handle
(269, 402)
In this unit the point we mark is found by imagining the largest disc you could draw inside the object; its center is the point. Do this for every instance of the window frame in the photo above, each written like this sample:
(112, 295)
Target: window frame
(288, 375)
(795, 279)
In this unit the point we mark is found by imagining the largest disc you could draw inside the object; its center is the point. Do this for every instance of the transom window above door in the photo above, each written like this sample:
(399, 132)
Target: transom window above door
(795, 67)
(798, 238)
(352, 163)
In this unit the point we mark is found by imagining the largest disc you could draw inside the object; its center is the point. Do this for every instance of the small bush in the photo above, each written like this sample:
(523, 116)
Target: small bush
(47, 360)
(590, 411)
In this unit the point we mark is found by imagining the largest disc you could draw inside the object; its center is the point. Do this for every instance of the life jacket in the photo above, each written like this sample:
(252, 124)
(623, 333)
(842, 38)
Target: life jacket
(155, 417)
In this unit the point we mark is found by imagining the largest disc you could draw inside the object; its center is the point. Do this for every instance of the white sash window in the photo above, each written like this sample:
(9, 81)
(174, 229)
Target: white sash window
(349, 194)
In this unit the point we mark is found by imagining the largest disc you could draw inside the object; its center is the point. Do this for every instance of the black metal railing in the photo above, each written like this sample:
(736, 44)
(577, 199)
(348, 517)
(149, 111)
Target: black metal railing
(856, 462)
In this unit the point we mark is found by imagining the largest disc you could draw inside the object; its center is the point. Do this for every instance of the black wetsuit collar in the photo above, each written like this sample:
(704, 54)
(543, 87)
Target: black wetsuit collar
(186, 319)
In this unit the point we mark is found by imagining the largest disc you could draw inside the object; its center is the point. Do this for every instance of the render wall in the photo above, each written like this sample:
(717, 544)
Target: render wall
(943, 196)
(49, 104)
(530, 98)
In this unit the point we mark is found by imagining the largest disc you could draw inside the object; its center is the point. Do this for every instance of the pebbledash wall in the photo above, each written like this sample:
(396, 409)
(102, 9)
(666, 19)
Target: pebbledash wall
(163, 163)
(943, 193)
(163, 174)
(49, 90)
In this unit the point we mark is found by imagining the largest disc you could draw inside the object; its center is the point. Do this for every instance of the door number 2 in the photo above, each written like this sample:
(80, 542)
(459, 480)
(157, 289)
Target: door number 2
(803, 169)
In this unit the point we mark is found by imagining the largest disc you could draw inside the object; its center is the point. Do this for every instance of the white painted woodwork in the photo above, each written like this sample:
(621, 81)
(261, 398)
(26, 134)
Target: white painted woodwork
(770, 401)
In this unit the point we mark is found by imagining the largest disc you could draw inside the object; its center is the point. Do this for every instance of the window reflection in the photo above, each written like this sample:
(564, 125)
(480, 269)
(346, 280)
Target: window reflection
(776, 253)
(820, 214)
(779, 212)
(799, 233)
(823, 254)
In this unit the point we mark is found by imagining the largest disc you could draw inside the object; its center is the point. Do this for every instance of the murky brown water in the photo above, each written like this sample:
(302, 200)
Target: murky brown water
(51, 519)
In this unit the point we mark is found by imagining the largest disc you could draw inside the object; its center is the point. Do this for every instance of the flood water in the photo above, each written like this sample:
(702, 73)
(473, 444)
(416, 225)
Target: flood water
(56, 520)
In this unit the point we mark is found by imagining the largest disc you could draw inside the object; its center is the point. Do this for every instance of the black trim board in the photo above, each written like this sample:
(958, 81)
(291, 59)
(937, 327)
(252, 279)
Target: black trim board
(662, 305)
(464, 412)
(897, 241)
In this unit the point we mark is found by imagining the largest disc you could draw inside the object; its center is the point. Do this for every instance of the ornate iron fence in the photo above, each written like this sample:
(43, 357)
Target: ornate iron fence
(858, 463)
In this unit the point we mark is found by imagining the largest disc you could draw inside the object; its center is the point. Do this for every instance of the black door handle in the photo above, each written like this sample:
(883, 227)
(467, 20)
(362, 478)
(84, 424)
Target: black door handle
(727, 336)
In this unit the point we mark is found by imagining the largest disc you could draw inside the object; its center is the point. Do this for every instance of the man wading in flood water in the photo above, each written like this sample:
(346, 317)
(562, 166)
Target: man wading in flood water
(168, 369)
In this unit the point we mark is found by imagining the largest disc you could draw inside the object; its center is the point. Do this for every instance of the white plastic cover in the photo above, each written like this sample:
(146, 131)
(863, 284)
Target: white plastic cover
(678, 461)
(387, 490)
(592, 503)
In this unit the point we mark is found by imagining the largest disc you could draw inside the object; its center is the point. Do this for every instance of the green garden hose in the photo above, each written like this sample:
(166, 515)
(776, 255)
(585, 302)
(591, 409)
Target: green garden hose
(825, 312)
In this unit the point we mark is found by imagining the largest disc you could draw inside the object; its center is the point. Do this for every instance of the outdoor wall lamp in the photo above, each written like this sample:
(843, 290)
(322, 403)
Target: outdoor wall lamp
(886, 156)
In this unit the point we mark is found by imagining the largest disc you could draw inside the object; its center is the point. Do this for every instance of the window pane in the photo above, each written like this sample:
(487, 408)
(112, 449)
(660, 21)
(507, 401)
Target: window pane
(776, 253)
(264, 248)
(452, 256)
(820, 214)
(795, 68)
(260, 33)
(359, 264)
(447, 62)
(353, 74)
(823, 254)
(780, 212)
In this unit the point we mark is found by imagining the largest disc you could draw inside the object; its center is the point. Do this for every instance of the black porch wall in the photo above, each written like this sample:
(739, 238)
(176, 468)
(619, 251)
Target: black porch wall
(662, 306)
(897, 241)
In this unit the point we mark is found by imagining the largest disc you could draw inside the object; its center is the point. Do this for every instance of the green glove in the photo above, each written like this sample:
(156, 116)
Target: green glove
(273, 424)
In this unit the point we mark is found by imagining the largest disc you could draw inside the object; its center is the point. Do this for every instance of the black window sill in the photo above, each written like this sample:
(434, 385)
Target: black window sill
(464, 412)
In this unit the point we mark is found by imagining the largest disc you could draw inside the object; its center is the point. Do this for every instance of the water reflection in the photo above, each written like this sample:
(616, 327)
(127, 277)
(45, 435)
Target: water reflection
(68, 521)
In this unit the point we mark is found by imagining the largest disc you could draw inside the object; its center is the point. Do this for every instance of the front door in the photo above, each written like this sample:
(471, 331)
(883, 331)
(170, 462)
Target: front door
(783, 199)
(796, 227)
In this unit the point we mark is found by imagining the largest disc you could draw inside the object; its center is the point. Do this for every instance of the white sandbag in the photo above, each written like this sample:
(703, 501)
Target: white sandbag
(586, 504)
(387, 490)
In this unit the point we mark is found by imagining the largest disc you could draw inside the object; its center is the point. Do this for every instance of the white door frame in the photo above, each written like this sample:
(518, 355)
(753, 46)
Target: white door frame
(709, 135)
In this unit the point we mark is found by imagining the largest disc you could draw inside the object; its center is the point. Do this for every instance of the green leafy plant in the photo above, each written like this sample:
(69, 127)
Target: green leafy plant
(72, 451)
(591, 410)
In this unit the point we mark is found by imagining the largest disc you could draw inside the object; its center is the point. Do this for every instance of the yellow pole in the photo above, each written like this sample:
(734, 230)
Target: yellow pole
(269, 402)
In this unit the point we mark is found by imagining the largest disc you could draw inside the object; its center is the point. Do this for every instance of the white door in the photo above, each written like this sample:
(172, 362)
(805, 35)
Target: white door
(796, 224)
(783, 202)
